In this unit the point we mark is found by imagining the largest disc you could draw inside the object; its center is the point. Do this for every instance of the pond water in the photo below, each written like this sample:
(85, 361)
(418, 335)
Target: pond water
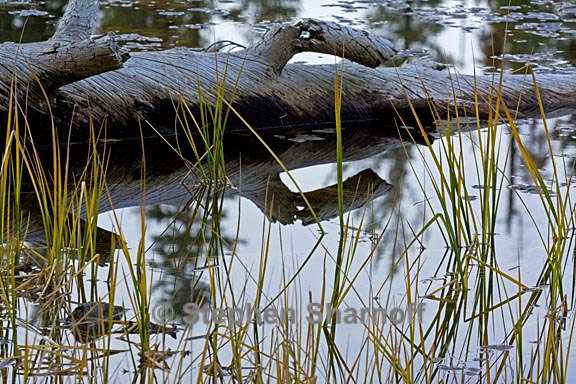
(180, 241)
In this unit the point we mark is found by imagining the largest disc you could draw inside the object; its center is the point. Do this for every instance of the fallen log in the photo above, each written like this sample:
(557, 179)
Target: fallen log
(86, 81)
(30, 74)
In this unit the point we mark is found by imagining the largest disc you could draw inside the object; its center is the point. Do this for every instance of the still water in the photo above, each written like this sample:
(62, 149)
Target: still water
(467, 34)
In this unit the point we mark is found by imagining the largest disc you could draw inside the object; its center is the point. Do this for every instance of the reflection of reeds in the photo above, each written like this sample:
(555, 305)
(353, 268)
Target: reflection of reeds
(36, 183)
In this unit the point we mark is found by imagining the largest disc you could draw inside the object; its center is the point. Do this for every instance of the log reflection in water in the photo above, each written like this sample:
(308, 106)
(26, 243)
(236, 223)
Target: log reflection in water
(174, 176)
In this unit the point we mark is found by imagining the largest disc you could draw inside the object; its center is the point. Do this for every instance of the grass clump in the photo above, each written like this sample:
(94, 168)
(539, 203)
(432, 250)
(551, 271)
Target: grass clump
(482, 321)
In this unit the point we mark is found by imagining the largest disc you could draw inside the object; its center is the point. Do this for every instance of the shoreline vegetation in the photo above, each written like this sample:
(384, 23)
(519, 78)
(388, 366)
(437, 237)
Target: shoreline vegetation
(79, 303)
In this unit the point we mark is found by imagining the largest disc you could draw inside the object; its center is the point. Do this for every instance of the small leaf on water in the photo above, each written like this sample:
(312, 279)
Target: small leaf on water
(452, 368)
(472, 371)
(499, 347)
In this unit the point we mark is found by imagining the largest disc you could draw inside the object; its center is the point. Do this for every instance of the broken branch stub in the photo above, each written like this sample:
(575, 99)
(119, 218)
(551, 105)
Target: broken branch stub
(78, 22)
(284, 41)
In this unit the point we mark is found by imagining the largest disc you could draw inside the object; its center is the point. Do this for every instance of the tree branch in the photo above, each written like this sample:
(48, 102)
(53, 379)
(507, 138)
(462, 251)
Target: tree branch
(284, 41)
(78, 22)
(29, 72)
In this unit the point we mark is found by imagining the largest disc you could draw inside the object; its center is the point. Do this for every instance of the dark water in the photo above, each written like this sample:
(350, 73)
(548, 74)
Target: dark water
(468, 34)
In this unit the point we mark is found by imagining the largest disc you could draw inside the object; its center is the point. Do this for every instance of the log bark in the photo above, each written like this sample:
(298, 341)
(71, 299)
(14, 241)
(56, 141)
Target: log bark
(145, 91)
(78, 22)
(283, 42)
(30, 74)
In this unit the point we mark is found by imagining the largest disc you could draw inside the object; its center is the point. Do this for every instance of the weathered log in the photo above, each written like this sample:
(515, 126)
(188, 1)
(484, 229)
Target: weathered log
(262, 87)
(31, 73)
(78, 22)
(283, 42)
